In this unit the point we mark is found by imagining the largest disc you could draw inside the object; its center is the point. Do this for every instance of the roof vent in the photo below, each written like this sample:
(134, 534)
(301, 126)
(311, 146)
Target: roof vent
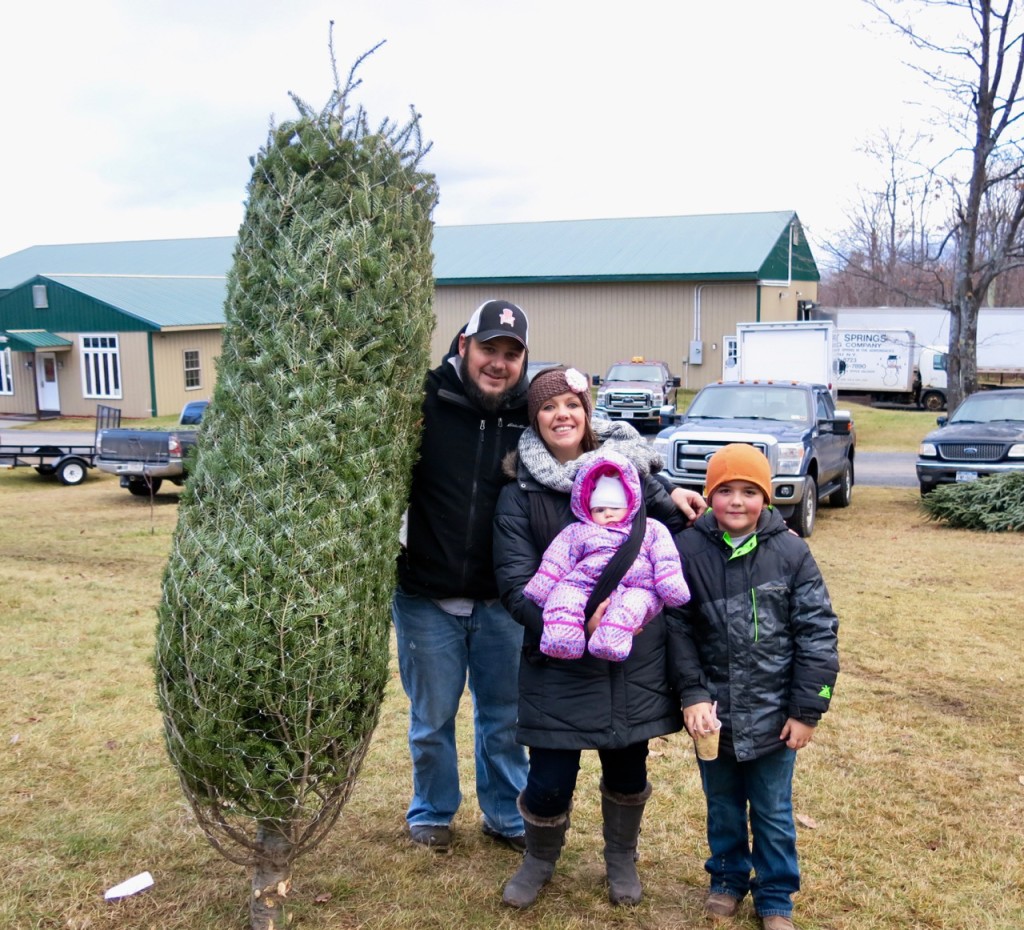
(39, 299)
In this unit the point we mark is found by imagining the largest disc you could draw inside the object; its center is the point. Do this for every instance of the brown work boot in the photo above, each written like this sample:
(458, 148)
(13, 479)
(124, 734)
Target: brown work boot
(721, 905)
(777, 922)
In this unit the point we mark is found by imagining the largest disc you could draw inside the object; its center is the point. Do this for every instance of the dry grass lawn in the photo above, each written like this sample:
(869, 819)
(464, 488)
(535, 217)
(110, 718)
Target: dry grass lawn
(912, 793)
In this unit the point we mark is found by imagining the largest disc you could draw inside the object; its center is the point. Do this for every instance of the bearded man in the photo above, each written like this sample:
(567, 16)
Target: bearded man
(449, 622)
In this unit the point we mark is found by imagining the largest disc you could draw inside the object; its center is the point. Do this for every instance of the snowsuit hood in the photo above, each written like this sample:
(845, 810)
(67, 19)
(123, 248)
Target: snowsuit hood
(605, 463)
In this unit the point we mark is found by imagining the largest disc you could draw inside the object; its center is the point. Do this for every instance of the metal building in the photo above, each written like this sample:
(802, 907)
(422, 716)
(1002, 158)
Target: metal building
(137, 325)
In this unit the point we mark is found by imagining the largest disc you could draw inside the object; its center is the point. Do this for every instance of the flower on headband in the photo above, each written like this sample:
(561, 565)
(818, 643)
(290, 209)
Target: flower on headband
(576, 380)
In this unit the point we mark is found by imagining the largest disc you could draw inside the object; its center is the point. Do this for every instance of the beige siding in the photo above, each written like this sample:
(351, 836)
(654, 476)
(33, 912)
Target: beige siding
(169, 366)
(23, 400)
(593, 325)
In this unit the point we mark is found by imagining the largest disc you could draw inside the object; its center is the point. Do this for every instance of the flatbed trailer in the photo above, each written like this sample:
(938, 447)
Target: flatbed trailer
(68, 463)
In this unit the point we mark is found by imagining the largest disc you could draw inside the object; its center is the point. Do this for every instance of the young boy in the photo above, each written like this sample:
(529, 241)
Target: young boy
(606, 495)
(759, 636)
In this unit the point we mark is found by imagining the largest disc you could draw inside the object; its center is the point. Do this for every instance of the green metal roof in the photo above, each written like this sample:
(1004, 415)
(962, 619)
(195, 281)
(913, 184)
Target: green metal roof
(162, 301)
(734, 246)
(181, 282)
(191, 257)
(28, 340)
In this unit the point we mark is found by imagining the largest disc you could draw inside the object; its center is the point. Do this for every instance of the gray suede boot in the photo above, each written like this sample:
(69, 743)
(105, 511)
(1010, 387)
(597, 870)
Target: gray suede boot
(622, 815)
(545, 837)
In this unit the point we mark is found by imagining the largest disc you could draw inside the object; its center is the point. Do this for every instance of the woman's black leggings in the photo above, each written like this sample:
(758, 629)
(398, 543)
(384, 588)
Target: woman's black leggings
(552, 778)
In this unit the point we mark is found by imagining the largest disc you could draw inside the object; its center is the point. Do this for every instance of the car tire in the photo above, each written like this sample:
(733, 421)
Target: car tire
(802, 521)
(927, 489)
(844, 494)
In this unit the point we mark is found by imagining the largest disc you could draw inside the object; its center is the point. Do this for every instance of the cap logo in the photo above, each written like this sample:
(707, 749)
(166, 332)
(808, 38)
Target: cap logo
(507, 318)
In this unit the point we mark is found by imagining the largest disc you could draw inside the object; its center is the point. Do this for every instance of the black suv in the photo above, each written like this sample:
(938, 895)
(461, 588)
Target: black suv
(983, 436)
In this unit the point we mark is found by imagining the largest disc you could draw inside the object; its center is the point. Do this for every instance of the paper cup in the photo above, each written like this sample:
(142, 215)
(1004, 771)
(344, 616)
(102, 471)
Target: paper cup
(707, 743)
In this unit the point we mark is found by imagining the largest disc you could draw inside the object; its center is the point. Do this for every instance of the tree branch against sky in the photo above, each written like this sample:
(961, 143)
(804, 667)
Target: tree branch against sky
(972, 52)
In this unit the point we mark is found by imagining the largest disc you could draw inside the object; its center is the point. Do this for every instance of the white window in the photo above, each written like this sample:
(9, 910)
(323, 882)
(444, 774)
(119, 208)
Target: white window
(101, 367)
(193, 372)
(6, 373)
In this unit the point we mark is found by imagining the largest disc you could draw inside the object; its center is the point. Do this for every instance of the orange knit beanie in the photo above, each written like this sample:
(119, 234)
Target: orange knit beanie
(739, 462)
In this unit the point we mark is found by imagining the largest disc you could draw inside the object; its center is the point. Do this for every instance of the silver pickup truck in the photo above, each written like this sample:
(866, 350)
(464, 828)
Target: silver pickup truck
(145, 458)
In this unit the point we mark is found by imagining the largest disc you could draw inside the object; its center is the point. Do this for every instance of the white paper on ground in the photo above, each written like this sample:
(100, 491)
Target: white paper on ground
(130, 886)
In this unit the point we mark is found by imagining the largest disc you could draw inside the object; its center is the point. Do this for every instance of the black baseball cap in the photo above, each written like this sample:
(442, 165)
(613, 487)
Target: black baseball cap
(498, 318)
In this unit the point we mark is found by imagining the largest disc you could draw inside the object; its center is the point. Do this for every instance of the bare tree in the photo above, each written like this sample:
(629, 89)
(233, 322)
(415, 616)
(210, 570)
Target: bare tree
(887, 255)
(980, 71)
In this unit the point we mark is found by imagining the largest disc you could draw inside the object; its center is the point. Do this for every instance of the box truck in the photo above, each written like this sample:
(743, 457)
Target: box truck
(1000, 344)
(787, 351)
(879, 363)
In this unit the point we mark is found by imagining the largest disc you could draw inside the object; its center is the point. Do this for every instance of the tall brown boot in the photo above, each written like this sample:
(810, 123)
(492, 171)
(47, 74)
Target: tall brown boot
(545, 837)
(622, 816)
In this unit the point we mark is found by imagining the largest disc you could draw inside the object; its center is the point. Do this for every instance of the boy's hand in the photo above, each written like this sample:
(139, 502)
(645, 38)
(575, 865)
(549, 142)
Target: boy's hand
(699, 718)
(689, 502)
(796, 734)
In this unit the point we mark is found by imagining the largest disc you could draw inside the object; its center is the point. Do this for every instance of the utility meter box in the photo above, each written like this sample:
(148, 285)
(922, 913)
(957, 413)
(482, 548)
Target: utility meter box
(696, 352)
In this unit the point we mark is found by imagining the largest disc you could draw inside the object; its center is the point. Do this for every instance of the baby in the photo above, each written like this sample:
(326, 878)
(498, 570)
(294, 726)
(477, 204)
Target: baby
(606, 495)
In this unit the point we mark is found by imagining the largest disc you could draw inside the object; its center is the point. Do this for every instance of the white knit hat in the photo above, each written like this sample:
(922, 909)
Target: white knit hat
(608, 492)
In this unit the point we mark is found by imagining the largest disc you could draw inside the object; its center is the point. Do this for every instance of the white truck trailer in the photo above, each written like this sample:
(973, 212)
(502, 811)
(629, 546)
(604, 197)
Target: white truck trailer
(787, 351)
(1000, 343)
(879, 363)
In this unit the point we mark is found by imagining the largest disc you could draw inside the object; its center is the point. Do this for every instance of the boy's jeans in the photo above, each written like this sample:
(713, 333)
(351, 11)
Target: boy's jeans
(436, 651)
(766, 784)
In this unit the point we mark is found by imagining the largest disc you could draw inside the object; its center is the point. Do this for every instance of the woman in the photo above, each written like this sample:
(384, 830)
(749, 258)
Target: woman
(566, 706)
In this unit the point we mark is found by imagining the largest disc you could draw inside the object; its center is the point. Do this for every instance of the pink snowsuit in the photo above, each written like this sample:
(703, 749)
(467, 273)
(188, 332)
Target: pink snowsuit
(575, 559)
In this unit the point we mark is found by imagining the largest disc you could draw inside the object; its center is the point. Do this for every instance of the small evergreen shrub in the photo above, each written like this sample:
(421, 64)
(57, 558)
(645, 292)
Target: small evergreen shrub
(994, 504)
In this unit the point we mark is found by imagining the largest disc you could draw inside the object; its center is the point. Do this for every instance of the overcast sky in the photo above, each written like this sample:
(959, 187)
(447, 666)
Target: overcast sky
(135, 119)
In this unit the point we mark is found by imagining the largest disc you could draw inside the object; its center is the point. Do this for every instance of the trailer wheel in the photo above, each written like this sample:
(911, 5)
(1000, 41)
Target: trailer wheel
(803, 517)
(71, 472)
(44, 468)
(933, 400)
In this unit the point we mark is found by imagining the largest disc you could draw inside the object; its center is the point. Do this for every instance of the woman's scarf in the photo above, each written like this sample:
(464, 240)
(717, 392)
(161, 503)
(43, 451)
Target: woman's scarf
(614, 436)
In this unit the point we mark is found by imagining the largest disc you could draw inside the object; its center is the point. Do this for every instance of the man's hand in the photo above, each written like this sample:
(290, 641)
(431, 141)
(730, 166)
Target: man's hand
(689, 502)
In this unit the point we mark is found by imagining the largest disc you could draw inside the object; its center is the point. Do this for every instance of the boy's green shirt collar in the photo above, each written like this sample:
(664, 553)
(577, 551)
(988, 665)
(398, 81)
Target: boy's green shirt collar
(748, 545)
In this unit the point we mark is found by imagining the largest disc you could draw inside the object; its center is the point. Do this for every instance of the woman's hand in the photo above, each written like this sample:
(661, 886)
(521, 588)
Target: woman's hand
(796, 734)
(699, 718)
(689, 502)
(593, 622)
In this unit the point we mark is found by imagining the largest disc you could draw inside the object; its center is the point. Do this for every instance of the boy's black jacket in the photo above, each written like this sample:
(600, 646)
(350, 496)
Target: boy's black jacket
(759, 635)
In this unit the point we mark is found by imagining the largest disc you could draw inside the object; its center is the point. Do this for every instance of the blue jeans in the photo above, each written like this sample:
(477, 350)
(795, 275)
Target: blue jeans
(766, 786)
(552, 780)
(436, 653)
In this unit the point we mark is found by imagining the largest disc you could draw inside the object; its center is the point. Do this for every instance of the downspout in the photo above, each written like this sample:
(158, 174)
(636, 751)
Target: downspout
(697, 322)
(152, 375)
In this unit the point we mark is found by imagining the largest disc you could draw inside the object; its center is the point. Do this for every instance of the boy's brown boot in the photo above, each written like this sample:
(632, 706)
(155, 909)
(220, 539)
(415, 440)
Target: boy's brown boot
(721, 905)
(777, 922)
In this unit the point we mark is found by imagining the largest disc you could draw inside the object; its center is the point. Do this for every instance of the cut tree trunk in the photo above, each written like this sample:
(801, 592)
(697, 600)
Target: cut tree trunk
(271, 879)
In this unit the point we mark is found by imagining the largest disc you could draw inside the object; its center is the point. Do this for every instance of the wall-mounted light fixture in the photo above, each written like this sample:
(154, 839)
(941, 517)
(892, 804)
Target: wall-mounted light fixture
(28, 364)
(60, 365)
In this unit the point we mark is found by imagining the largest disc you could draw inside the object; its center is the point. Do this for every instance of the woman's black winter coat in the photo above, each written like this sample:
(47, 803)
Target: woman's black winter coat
(584, 703)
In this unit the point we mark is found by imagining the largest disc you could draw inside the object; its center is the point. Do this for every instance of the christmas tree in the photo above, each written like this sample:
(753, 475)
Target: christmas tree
(273, 630)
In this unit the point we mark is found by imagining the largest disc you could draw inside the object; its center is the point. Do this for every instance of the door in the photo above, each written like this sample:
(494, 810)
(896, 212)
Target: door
(48, 394)
(730, 359)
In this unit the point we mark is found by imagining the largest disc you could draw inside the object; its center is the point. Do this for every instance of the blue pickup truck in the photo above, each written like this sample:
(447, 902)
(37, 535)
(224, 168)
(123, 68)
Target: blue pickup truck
(808, 443)
(145, 458)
